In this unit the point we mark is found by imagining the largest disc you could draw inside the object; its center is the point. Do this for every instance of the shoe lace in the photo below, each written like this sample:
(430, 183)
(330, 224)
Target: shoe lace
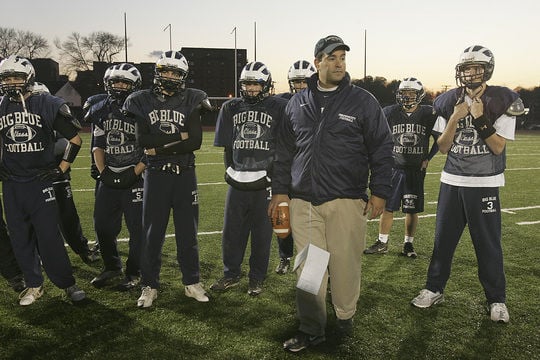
(28, 292)
(146, 291)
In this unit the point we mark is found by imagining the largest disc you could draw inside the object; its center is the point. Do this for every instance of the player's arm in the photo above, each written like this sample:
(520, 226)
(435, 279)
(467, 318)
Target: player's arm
(147, 140)
(189, 142)
(446, 139)
(485, 129)
(68, 127)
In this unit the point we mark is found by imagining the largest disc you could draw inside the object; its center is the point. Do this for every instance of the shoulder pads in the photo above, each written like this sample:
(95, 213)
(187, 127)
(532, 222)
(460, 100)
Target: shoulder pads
(65, 112)
(517, 108)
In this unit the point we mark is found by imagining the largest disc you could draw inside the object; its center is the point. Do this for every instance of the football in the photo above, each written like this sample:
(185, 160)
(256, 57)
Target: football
(281, 221)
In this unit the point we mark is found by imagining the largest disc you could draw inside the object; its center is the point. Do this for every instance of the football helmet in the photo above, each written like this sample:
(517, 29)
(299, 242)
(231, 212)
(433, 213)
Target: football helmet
(301, 70)
(171, 61)
(106, 78)
(16, 66)
(125, 73)
(474, 55)
(40, 88)
(405, 88)
(255, 72)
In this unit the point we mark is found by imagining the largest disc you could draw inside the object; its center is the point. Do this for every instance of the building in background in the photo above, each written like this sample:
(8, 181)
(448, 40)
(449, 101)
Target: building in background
(210, 69)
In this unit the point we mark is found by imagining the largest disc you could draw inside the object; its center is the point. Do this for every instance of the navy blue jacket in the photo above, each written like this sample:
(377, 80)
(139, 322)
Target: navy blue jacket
(326, 155)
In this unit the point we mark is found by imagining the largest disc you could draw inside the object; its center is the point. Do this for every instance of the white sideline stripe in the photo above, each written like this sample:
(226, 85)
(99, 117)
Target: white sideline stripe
(373, 220)
(200, 184)
(528, 222)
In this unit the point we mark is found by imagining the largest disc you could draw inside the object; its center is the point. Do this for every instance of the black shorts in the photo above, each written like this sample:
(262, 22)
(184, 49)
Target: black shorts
(407, 191)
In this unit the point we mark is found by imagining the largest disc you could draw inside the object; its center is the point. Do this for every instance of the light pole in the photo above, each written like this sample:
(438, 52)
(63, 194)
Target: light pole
(235, 65)
(170, 36)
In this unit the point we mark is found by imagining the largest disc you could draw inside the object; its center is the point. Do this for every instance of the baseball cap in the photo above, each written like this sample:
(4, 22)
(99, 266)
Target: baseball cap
(328, 44)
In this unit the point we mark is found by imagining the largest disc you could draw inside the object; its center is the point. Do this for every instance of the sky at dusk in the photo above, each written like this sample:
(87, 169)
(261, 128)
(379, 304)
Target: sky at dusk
(417, 38)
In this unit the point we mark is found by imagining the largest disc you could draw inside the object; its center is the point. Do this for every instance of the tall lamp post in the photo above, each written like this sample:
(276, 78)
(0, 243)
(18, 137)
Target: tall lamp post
(235, 65)
(170, 36)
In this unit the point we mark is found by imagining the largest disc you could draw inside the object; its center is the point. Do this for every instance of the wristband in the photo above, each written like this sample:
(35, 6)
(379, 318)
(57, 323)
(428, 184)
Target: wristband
(484, 127)
(71, 152)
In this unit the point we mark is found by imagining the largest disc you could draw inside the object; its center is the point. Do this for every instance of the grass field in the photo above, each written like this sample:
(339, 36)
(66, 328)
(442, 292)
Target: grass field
(234, 325)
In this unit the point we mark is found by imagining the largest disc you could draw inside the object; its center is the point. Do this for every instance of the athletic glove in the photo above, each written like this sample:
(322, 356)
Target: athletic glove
(122, 180)
(53, 174)
(94, 172)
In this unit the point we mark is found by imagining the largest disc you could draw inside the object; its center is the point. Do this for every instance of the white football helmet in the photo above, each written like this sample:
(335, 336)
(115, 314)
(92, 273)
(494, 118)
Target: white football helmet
(16, 66)
(475, 55)
(301, 70)
(125, 73)
(407, 85)
(40, 88)
(171, 61)
(255, 72)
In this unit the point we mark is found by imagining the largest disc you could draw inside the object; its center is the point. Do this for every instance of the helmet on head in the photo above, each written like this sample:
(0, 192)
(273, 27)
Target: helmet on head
(255, 72)
(127, 74)
(40, 88)
(106, 78)
(475, 55)
(301, 70)
(171, 61)
(16, 66)
(403, 93)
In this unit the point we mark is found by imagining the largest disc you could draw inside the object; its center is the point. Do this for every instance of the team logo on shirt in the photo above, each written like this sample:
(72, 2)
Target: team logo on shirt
(168, 127)
(115, 138)
(466, 140)
(408, 139)
(251, 131)
(21, 133)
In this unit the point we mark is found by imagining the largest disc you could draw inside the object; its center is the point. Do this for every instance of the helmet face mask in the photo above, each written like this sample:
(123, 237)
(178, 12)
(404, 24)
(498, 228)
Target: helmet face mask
(171, 72)
(255, 73)
(16, 77)
(298, 74)
(475, 67)
(410, 93)
(122, 80)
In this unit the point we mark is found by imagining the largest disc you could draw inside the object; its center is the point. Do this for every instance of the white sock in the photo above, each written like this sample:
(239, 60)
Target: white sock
(383, 238)
(408, 239)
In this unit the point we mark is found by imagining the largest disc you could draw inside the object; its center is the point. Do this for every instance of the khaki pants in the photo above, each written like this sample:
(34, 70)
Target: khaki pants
(339, 227)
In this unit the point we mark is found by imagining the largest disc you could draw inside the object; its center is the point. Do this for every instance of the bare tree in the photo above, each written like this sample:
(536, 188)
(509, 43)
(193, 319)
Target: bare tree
(79, 52)
(24, 43)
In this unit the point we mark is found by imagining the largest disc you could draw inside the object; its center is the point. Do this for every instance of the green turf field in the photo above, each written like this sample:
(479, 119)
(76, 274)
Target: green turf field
(234, 325)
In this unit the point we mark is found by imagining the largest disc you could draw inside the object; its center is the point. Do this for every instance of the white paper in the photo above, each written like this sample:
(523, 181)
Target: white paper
(315, 262)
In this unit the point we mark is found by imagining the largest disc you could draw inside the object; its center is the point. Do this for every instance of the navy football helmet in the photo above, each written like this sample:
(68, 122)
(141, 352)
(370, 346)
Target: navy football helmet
(474, 55)
(255, 72)
(16, 66)
(406, 87)
(171, 61)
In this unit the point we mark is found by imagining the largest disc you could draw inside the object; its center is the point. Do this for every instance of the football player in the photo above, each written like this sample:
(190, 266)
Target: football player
(246, 128)
(119, 161)
(298, 75)
(70, 224)
(168, 127)
(475, 121)
(411, 125)
(27, 125)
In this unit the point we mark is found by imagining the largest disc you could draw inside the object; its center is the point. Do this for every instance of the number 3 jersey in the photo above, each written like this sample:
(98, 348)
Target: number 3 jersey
(470, 162)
